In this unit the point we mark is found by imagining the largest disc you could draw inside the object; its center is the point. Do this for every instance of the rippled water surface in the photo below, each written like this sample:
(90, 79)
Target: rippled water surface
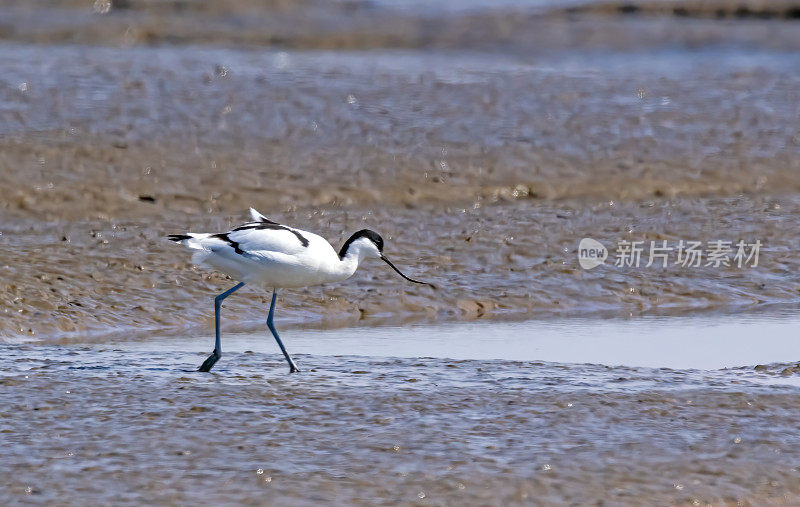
(481, 418)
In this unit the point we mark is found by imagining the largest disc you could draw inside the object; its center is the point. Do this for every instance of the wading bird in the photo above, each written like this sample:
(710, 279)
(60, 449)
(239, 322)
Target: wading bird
(269, 254)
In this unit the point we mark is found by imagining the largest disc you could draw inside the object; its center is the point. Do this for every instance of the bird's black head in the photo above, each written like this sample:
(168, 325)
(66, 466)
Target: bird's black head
(363, 233)
(376, 240)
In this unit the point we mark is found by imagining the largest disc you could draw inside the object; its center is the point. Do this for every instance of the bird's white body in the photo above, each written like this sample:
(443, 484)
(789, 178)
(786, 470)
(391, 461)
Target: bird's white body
(266, 253)
(272, 255)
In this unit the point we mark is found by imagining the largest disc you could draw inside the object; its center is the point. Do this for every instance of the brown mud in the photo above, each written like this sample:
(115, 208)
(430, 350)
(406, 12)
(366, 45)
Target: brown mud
(482, 171)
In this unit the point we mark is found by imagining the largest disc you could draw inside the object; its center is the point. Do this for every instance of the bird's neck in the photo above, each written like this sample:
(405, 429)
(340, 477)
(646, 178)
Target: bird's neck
(345, 267)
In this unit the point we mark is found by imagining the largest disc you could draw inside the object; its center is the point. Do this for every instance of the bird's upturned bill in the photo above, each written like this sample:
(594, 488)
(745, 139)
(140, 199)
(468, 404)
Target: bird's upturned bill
(387, 261)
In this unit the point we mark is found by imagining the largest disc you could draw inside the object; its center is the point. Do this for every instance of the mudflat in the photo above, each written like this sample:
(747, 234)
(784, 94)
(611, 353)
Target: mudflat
(483, 142)
(483, 171)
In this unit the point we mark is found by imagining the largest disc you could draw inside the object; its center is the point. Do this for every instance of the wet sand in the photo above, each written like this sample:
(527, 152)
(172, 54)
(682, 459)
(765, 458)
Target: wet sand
(477, 190)
(73, 282)
(483, 142)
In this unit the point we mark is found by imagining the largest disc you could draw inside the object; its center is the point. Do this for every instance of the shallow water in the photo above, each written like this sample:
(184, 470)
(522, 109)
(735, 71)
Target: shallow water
(357, 425)
(697, 342)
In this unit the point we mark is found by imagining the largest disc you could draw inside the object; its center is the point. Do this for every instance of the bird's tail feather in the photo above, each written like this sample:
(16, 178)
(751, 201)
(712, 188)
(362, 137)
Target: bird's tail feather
(190, 240)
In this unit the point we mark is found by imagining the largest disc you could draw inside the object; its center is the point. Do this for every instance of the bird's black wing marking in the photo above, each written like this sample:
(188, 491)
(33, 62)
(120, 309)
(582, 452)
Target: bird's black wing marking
(234, 244)
(260, 226)
(178, 237)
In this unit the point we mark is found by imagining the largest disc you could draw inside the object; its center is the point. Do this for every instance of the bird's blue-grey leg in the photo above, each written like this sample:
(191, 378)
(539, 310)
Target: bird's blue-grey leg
(214, 357)
(292, 367)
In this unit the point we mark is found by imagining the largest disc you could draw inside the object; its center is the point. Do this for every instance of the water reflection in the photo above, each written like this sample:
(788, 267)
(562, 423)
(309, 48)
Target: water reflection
(680, 343)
